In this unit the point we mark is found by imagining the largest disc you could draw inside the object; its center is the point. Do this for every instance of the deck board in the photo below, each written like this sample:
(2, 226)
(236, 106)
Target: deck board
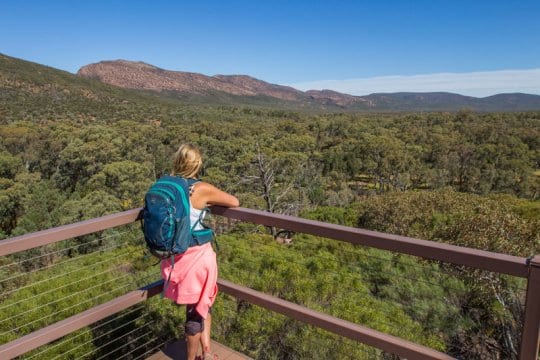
(177, 351)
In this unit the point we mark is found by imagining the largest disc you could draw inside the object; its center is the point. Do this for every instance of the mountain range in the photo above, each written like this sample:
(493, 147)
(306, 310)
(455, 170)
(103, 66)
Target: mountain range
(246, 89)
(112, 88)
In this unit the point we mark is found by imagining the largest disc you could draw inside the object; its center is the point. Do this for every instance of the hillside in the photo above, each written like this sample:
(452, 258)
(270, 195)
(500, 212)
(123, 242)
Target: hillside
(38, 93)
(138, 75)
(31, 91)
(187, 86)
(244, 88)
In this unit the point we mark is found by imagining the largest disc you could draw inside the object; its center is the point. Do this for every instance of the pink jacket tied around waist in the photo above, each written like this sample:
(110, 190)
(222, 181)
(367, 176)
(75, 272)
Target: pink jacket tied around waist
(194, 278)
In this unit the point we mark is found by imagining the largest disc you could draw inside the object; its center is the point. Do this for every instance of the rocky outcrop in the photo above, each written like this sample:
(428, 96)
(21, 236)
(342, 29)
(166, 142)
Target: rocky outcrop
(139, 75)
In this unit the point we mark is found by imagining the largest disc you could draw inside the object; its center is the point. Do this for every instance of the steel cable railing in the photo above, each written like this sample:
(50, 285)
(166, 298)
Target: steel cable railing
(362, 266)
(151, 350)
(144, 345)
(381, 325)
(60, 287)
(96, 338)
(302, 260)
(20, 261)
(349, 266)
(66, 285)
(372, 271)
(338, 349)
(102, 336)
(56, 264)
(134, 341)
(32, 259)
(67, 297)
(227, 312)
(124, 335)
(64, 309)
(85, 279)
(93, 264)
(509, 265)
(81, 333)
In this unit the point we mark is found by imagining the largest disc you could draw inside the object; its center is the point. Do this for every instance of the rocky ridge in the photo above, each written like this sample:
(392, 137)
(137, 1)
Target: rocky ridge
(142, 76)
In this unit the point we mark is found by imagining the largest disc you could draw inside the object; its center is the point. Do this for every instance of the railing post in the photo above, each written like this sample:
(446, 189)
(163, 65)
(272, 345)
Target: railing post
(531, 323)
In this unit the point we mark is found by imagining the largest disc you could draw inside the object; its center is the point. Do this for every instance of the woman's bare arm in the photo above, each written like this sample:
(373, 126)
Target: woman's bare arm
(205, 194)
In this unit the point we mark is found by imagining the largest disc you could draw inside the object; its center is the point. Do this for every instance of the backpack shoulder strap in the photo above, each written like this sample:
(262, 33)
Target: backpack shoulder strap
(191, 183)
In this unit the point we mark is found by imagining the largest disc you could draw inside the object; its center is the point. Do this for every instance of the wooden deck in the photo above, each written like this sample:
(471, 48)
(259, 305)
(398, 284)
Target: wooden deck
(177, 351)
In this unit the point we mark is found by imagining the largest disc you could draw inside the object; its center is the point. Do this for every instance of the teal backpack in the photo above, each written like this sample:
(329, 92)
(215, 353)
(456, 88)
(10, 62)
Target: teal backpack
(165, 218)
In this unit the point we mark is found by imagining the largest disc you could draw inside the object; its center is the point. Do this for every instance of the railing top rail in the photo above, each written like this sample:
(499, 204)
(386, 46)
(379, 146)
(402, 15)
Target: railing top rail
(500, 263)
(480, 259)
(49, 236)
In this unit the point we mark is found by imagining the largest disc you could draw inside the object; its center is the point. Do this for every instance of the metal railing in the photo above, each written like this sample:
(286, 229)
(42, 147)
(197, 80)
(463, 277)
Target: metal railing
(528, 268)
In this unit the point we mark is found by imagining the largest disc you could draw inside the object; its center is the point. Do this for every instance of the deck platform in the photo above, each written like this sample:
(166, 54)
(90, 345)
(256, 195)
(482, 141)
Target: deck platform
(177, 351)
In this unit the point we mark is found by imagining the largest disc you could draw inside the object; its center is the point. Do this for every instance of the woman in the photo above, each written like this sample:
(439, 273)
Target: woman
(194, 276)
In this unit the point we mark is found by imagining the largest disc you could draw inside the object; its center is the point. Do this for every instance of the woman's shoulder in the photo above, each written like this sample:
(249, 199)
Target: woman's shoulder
(203, 186)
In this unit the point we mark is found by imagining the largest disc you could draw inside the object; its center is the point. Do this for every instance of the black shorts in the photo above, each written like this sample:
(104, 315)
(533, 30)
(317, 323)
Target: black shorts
(194, 321)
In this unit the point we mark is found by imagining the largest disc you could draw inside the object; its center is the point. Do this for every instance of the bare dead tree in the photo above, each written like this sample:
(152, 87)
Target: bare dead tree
(266, 178)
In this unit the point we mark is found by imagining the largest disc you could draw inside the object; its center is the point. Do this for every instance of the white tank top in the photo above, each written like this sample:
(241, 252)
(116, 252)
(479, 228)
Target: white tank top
(194, 215)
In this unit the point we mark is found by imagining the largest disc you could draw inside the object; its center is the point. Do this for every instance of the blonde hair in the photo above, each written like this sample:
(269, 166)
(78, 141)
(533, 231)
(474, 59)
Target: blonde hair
(187, 161)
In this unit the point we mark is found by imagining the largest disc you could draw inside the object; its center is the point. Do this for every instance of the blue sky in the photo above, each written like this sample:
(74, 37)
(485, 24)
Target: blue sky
(361, 46)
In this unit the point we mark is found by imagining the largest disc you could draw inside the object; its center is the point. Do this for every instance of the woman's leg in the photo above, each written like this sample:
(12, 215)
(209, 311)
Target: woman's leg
(205, 336)
(192, 345)
(194, 328)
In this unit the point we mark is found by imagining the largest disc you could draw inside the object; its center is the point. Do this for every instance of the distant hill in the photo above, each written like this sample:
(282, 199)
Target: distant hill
(121, 90)
(142, 76)
(38, 93)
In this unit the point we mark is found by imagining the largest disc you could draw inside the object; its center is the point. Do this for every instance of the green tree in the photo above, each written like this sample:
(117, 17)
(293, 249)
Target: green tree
(125, 180)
